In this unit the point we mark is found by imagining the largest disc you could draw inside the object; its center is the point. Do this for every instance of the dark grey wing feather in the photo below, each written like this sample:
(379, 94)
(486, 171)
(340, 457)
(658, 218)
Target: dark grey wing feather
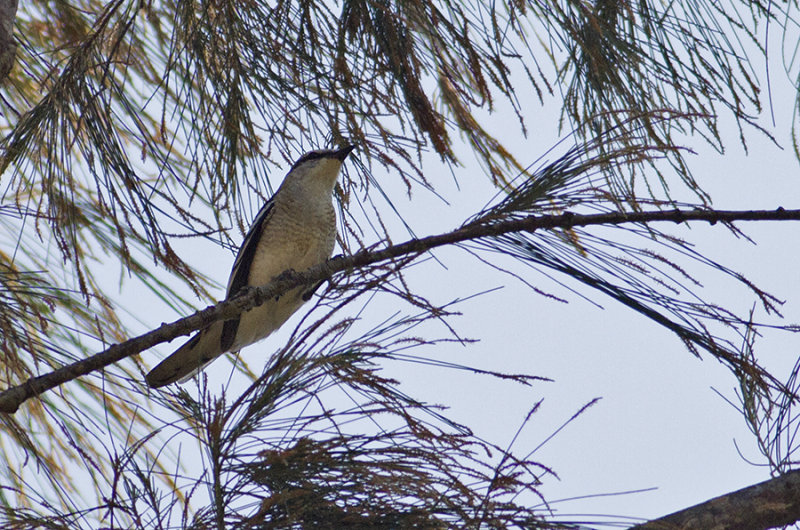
(241, 269)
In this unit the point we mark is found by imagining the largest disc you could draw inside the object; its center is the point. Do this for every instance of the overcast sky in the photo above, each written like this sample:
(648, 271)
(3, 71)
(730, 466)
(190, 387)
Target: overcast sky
(659, 424)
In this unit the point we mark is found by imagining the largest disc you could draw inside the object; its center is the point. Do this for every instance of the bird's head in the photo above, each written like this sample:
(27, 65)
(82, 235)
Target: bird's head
(318, 168)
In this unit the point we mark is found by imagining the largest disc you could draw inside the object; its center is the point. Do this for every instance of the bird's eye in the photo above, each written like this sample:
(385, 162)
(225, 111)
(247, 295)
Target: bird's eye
(309, 156)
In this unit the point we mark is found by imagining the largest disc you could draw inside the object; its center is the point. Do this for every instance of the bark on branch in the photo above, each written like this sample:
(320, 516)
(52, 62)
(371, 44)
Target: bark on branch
(8, 49)
(768, 504)
(12, 398)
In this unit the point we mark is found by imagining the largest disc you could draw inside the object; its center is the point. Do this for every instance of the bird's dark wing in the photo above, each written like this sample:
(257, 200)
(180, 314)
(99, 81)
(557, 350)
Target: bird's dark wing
(241, 269)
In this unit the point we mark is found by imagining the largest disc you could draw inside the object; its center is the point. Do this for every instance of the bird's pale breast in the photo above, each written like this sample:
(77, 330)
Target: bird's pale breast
(288, 242)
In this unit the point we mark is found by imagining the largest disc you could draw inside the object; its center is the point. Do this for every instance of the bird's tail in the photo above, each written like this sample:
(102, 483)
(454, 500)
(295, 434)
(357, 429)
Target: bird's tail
(189, 359)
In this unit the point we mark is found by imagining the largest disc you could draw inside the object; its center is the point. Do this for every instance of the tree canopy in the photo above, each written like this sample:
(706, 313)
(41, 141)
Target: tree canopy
(132, 130)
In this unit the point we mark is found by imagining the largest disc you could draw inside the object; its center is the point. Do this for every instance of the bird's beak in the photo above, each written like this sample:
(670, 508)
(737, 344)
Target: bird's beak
(342, 153)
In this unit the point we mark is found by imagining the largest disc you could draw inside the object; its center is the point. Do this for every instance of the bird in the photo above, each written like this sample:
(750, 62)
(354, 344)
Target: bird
(294, 230)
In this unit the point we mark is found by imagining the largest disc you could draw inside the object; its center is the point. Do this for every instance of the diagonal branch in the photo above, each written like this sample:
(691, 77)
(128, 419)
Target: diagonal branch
(8, 49)
(768, 504)
(12, 398)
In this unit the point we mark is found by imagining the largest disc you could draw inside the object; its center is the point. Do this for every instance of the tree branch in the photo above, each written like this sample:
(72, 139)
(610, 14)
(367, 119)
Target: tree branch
(12, 398)
(768, 504)
(8, 49)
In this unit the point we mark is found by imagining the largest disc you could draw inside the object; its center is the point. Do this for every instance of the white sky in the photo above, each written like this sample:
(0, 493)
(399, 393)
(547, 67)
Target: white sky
(659, 424)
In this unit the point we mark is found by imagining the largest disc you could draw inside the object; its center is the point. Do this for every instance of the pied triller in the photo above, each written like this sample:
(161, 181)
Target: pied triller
(295, 229)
